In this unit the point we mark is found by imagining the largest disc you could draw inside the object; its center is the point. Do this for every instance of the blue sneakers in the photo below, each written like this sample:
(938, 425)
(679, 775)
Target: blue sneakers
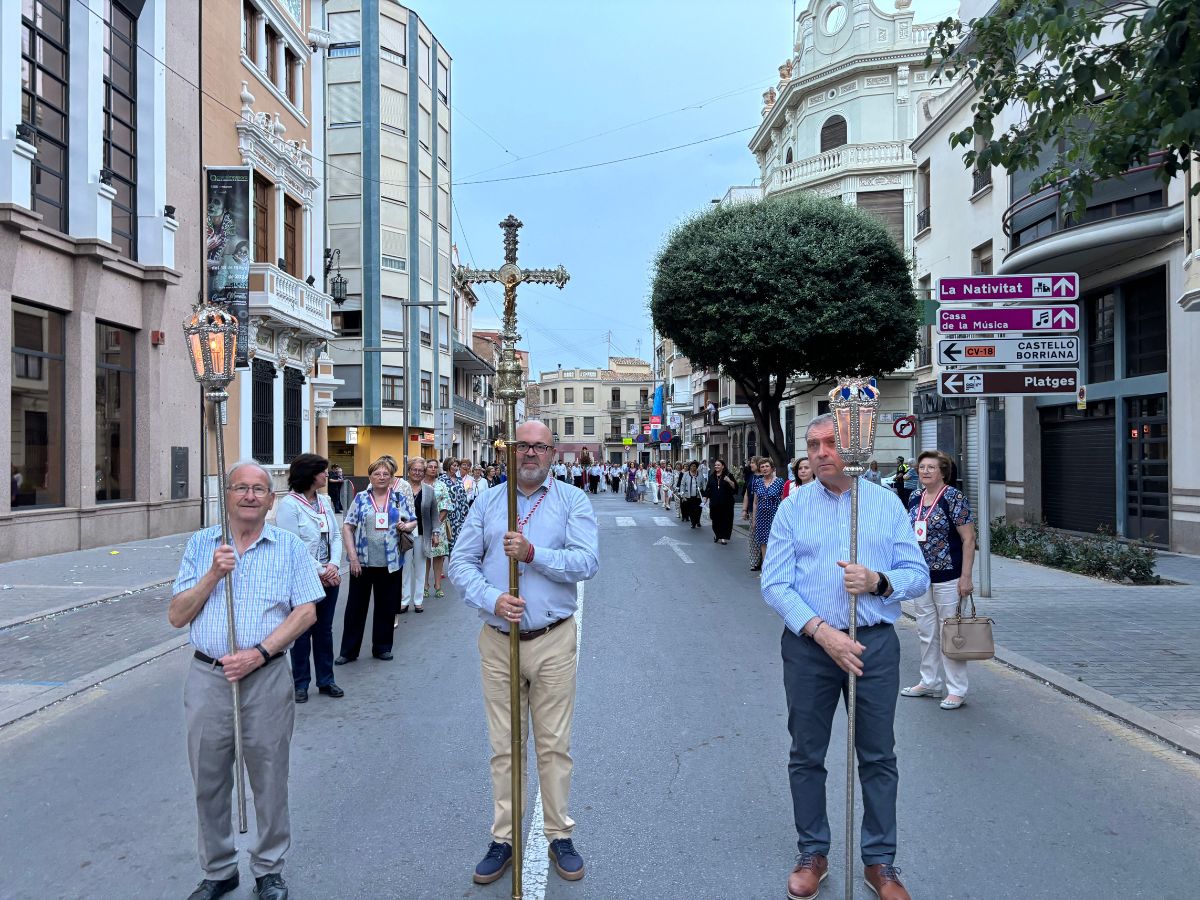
(494, 864)
(567, 861)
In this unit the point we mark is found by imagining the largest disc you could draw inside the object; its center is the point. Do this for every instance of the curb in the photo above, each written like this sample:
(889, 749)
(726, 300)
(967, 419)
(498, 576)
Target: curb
(91, 679)
(1123, 711)
(72, 605)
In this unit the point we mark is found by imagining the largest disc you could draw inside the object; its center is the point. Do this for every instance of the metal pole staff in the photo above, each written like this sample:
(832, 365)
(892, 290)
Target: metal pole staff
(511, 390)
(855, 405)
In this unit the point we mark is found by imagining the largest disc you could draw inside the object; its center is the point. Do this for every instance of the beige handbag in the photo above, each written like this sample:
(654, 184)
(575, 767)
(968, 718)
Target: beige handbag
(967, 637)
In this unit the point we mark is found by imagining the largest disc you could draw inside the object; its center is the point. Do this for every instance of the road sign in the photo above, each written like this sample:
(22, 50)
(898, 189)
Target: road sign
(676, 420)
(976, 319)
(664, 436)
(627, 441)
(641, 439)
(1004, 351)
(1029, 383)
(904, 427)
(984, 288)
(656, 420)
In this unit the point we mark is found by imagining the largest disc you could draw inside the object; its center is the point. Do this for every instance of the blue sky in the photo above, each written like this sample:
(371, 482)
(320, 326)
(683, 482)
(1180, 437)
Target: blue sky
(539, 86)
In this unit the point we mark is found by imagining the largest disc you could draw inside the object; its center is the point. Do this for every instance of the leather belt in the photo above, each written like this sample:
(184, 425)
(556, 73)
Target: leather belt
(209, 661)
(530, 635)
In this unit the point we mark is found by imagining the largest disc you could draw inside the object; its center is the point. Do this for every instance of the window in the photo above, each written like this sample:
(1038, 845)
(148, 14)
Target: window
(888, 208)
(272, 59)
(589, 395)
(347, 323)
(630, 424)
(44, 106)
(394, 263)
(423, 60)
(114, 413)
(833, 133)
(981, 259)
(120, 121)
(923, 195)
(291, 77)
(443, 331)
(393, 391)
(426, 326)
(568, 395)
(1145, 313)
(262, 411)
(615, 402)
(393, 40)
(554, 396)
(262, 223)
(443, 82)
(38, 406)
(569, 426)
(293, 413)
(787, 160)
(291, 237)
(349, 392)
(589, 425)
(614, 426)
(546, 397)
(1101, 332)
(337, 51)
(250, 32)
(426, 391)
(444, 392)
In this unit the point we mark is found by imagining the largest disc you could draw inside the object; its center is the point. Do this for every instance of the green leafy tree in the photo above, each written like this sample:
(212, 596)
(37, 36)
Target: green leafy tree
(786, 285)
(1101, 85)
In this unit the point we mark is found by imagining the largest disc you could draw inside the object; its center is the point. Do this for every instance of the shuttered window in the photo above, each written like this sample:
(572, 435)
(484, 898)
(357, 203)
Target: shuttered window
(392, 108)
(262, 412)
(345, 104)
(393, 36)
(262, 219)
(833, 133)
(888, 208)
(293, 402)
(345, 27)
(345, 174)
(395, 179)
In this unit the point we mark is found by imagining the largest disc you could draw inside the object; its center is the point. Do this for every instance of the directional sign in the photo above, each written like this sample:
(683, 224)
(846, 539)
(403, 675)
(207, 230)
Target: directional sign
(1005, 351)
(976, 319)
(1031, 383)
(983, 288)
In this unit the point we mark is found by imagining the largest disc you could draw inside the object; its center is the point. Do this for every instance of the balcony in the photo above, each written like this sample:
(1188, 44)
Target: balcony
(733, 413)
(1125, 218)
(276, 295)
(613, 438)
(469, 411)
(922, 220)
(840, 160)
(980, 179)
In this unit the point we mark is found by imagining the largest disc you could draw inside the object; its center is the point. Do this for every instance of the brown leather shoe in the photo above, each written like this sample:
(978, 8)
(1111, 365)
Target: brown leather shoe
(805, 881)
(884, 880)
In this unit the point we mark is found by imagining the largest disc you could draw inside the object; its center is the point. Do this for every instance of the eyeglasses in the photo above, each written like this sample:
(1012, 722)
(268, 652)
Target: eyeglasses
(241, 490)
(540, 449)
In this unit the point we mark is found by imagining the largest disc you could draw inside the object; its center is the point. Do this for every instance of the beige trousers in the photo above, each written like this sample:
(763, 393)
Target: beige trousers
(548, 695)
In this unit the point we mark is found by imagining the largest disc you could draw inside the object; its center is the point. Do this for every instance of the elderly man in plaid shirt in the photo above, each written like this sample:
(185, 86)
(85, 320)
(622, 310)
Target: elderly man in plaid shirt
(275, 588)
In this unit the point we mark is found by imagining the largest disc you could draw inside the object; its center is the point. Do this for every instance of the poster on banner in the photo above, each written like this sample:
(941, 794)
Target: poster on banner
(227, 248)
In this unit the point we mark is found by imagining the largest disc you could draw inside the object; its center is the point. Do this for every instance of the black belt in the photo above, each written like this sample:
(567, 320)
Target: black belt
(209, 661)
(530, 635)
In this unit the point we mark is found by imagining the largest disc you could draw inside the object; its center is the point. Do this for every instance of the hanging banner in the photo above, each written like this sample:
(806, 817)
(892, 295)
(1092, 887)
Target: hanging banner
(227, 239)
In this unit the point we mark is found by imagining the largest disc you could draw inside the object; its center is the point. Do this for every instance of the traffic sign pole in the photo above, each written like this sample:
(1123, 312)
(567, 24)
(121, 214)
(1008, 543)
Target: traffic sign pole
(984, 513)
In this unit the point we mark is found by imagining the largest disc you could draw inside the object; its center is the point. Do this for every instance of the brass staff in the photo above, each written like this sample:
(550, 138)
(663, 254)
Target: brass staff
(511, 389)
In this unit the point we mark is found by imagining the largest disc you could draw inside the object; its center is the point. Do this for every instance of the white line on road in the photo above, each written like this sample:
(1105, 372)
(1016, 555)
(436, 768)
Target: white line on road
(535, 866)
(626, 521)
(674, 545)
(664, 521)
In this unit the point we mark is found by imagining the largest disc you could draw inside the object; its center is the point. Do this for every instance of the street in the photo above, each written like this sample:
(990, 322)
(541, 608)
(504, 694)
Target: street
(680, 748)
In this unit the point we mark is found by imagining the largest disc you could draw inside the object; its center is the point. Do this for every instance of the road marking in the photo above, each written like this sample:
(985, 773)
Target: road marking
(674, 545)
(626, 521)
(535, 866)
(664, 521)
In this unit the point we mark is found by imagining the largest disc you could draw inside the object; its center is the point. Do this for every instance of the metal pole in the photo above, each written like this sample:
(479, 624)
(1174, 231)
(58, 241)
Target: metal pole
(219, 398)
(984, 513)
(851, 700)
(514, 662)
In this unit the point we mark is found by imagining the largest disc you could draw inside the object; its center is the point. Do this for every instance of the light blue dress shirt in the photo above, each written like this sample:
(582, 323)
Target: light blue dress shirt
(801, 577)
(566, 551)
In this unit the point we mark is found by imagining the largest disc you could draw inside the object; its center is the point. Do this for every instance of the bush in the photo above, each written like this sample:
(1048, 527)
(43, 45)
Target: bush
(1101, 556)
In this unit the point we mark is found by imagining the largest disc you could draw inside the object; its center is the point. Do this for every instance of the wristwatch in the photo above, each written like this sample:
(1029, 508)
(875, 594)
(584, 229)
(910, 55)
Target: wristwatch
(263, 650)
(883, 587)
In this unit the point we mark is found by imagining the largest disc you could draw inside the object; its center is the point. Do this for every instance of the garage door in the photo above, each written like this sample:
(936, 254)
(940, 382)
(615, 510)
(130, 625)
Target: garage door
(1079, 464)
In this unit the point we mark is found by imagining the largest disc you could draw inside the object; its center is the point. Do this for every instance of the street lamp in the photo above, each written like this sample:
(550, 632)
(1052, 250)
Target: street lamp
(855, 405)
(211, 337)
(337, 284)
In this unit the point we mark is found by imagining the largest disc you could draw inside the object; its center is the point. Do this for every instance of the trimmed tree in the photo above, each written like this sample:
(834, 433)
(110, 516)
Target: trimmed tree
(787, 285)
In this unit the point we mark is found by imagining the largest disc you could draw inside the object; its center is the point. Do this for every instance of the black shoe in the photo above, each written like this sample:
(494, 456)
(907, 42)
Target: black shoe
(385, 655)
(567, 861)
(756, 568)
(301, 695)
(419, 609)
(211, 890)
(403, 610)
(271, 887)
(342, 660)
(494, 864)
(332, 690)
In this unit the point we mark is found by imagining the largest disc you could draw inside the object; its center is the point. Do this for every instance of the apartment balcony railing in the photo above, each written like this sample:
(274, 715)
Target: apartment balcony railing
(851, 157)
(980, 179)
(923, 220)
(277, 295)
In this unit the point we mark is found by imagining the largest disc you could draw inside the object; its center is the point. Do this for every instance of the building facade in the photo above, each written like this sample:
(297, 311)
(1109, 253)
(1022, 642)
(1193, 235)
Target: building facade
(389, 219)
(593, 412)
(100, 202)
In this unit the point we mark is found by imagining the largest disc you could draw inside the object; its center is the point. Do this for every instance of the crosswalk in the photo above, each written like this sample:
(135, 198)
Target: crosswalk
(631, 522)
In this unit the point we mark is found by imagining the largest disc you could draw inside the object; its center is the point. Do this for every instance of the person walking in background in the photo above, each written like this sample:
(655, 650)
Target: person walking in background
(458, 502)
(872, 474)
(594, 477)
(721, 491)
(437, 544)
(689, 494)
(751, 476)
(370, 537)
(911, 482)
(802, 474)
(898, 481)
(308, 513)
(641, 477)
(765, 499)
(427, 515)
(336, 482)
(943, 525)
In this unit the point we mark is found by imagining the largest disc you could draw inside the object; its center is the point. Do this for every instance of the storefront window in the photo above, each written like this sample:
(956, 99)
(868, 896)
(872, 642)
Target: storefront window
(114, 413)
(38, 410)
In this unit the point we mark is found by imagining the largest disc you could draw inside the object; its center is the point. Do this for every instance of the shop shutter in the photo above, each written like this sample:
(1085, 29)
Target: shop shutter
(1079, 465)
(971, 482)
(928, 440)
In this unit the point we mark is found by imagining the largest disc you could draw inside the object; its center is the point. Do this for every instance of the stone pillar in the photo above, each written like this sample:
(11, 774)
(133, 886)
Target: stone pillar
(15, 154)
(322, 448)
(260, 41)
(91, 202)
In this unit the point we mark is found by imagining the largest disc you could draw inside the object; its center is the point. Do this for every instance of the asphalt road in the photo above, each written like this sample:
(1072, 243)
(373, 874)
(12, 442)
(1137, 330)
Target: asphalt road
(680, 748)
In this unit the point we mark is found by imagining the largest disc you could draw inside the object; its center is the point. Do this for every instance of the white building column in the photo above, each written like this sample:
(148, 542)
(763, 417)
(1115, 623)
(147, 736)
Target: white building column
(280, 63)
(15, 154)
(90, 214)
(279, 195)
(155, 229)
(260, 41)
(277, 424)
(308, 261)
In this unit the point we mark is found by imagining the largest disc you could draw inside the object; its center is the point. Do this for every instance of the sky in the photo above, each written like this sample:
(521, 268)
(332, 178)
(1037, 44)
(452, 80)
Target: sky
(544, 85)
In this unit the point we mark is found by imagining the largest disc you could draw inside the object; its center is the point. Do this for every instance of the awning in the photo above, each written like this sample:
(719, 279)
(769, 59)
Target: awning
(471, 362)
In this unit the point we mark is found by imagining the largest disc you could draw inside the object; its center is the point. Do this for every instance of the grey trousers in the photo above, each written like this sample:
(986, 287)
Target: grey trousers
(268, 713)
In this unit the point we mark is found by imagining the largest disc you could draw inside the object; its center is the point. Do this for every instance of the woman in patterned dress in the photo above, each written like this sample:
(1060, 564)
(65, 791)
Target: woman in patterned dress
(460, 505)
(767, 494)
(437, 542)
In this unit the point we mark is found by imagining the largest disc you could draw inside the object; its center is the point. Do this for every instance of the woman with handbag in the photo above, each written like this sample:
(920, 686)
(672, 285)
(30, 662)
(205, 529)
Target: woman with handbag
(412, 581)
(945, 529)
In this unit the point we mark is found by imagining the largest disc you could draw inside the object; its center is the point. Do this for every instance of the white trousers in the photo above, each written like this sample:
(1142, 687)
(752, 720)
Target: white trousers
(652, 490)
(412, 587)
(939, 603)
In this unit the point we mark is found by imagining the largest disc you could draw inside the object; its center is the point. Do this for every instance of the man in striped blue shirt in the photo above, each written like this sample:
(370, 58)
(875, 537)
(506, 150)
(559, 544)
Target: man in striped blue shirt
(807, 579)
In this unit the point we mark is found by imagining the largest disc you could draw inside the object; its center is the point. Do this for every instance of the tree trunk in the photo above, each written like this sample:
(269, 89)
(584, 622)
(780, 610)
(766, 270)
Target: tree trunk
(765, 401)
